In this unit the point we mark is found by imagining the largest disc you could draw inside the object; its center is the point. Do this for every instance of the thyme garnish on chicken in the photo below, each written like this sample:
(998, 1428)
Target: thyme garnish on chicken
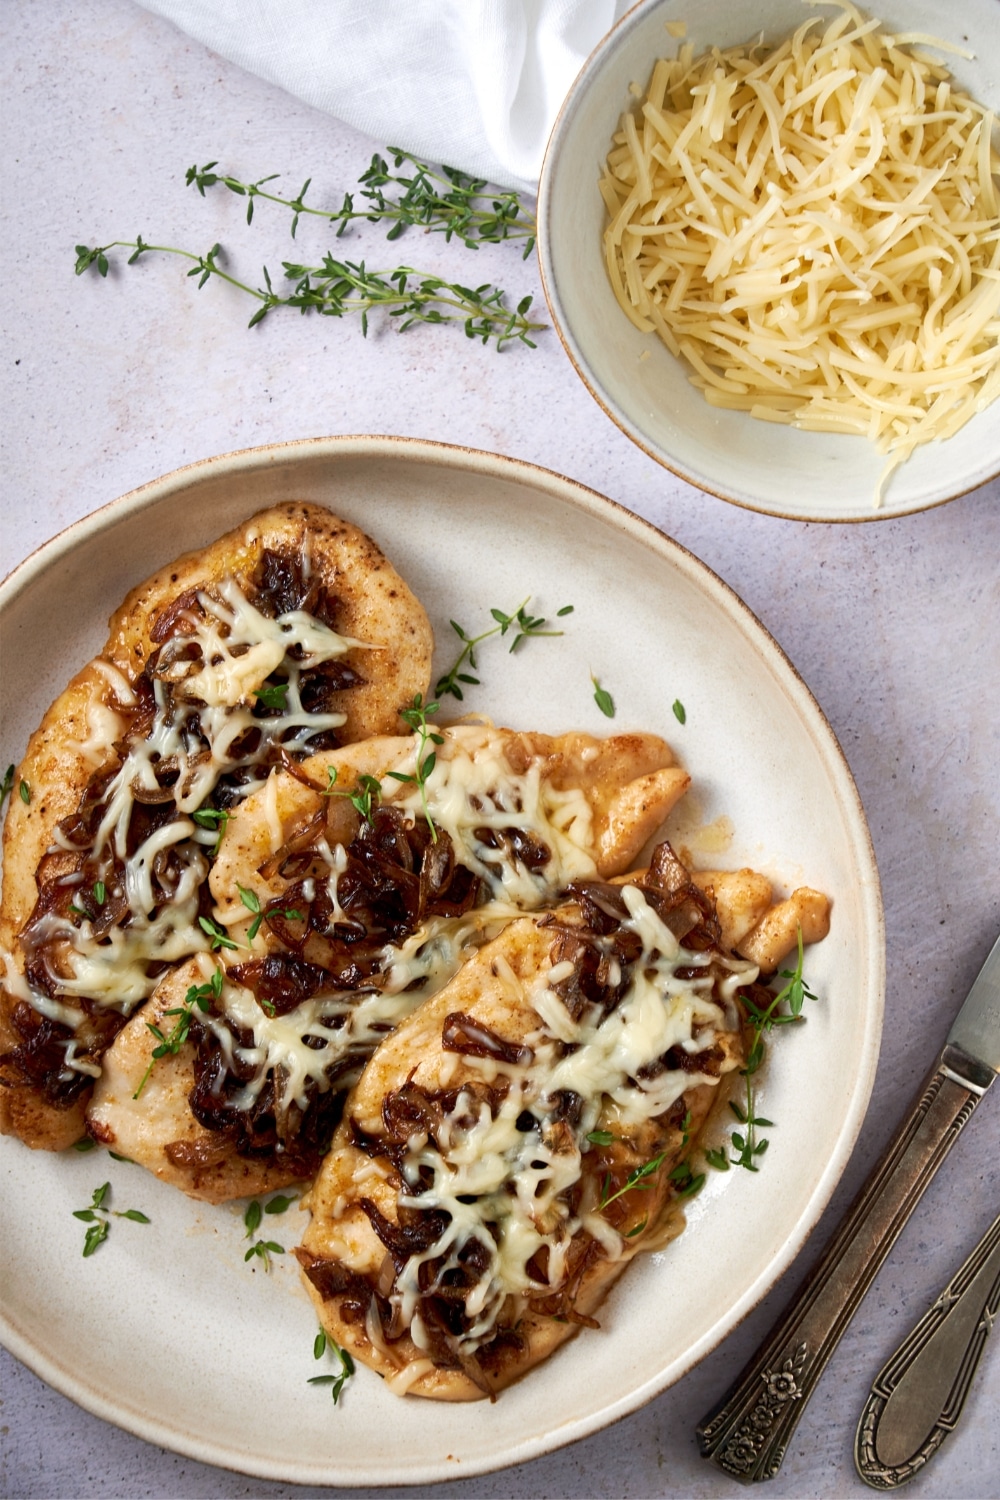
(365, 795)
(251, 901)
(416, 717)
(202, 995)
(749, 1146)
(214, 818)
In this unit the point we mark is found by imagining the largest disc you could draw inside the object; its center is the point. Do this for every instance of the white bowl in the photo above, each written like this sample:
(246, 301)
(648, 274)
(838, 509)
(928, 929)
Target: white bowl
(805, 476)
(165, 1330)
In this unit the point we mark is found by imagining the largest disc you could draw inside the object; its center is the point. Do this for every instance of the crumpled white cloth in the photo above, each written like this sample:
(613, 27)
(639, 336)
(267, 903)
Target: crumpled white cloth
(473, 83)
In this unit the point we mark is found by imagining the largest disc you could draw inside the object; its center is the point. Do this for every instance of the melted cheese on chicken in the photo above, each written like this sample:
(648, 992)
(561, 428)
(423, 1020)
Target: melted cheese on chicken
(511, 1183)
(204, 693)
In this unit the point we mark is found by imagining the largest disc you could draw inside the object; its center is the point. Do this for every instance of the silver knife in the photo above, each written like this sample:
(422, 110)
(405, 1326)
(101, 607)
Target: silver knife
(747, 1433)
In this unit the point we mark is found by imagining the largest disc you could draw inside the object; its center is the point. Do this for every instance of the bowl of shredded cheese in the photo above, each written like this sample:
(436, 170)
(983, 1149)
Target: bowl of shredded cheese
(770, 242)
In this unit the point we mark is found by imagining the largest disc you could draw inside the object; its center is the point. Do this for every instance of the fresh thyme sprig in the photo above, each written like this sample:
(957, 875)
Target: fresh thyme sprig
(213, 817)
(685, 1181)
(603, 699)
(749, 1146)
(202, 995)
(338, 288)
(366, 794)
(262, 1250)
(321, 1343)
(220, 938)
(636, 1181)
(445, 201)
(251, 901)
(416, 717)
(6, 784)
(98, 1218)
(274, 695)
(523, 625)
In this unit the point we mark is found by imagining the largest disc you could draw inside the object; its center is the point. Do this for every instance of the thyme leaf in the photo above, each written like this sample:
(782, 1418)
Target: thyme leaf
(262, 1250)
(201, 995)
(251, 901)
(95, 1236)
(252, 1217)
(220, 938)
(680, 713)
(273, 695)
(321, 1344)
(24, 792)
(6, 784)
(749, 1145)
(603, 699)
(212, 817)
(365, 796)
(280, 1203)
(637, 1180)
(416, 717)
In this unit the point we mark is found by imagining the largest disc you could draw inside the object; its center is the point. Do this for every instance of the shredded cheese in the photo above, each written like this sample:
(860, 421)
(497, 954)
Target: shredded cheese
(472, 787)
(814, 228)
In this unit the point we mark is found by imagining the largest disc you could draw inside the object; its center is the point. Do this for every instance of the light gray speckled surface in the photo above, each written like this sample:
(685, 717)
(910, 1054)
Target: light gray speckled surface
(895, 626)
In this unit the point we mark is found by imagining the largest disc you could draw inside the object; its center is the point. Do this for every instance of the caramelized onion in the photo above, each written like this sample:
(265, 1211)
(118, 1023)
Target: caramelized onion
(464, 1034)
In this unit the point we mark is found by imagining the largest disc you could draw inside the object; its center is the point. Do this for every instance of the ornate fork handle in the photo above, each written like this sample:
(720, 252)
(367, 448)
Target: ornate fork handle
(747, 1433)
(917, 1398)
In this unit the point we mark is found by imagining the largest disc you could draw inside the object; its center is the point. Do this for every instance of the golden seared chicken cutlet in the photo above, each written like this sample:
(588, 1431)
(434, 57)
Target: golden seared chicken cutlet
(290, 635)
(522, 1136)
(349, 889)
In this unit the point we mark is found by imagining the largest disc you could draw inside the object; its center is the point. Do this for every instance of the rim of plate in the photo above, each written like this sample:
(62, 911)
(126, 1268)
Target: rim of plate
(68, 1381)
(561, 125)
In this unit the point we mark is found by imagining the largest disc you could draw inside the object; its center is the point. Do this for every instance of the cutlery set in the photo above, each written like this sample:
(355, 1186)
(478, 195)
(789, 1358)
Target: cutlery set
(917, 1398)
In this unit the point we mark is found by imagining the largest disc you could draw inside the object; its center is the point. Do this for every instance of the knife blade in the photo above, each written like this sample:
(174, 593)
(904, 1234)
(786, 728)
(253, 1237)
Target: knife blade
(748, 1431)
(976, 1028)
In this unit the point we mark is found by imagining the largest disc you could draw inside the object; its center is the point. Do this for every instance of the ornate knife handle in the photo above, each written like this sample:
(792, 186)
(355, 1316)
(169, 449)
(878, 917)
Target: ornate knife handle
(917, 1398)
(747, 1433)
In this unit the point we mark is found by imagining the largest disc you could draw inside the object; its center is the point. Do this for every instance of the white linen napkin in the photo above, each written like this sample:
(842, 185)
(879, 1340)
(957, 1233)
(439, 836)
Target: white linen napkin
(473, 83)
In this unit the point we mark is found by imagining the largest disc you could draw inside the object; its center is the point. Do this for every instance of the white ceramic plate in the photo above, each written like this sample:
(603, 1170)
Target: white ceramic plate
(806, 476)
(165, 1330)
